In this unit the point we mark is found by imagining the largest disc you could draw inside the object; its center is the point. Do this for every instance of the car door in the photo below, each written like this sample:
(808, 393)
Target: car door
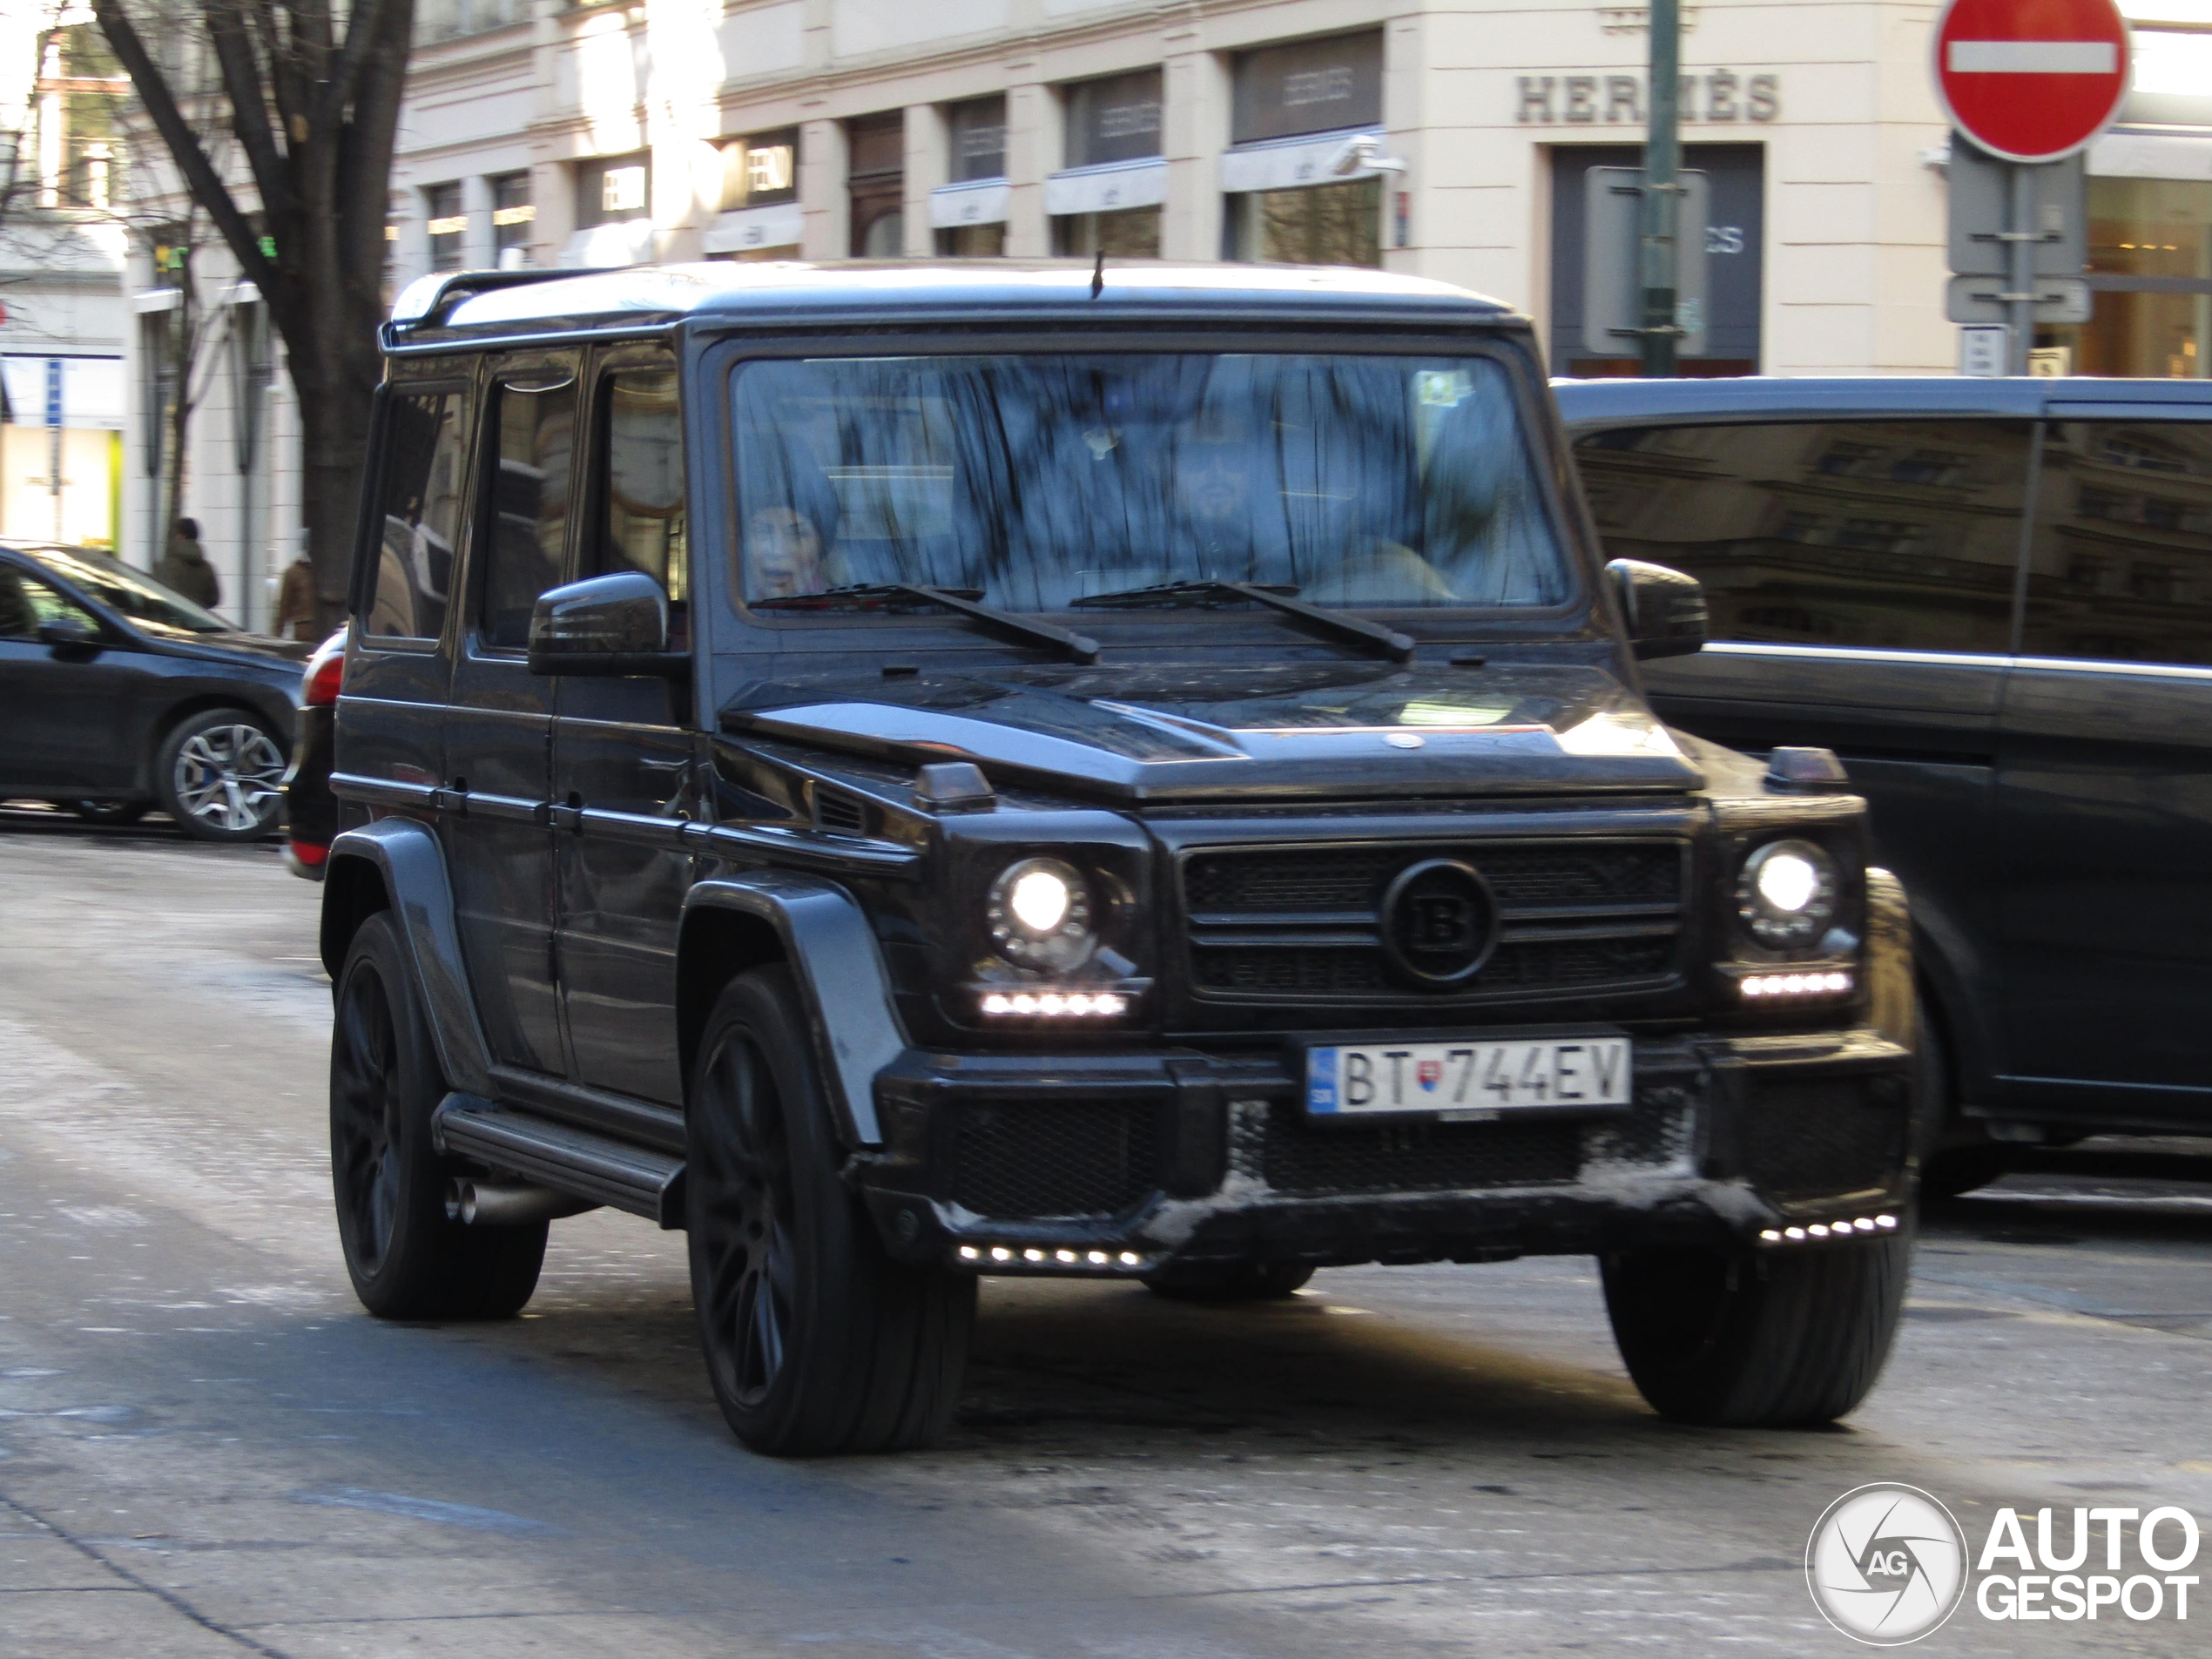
(498, 731)
(69, 706)
(1860, 574)
(625, 752)
(2105, 779)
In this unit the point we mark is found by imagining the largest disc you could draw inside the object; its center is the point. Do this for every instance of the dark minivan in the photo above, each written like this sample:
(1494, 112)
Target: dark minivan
(1993, 599)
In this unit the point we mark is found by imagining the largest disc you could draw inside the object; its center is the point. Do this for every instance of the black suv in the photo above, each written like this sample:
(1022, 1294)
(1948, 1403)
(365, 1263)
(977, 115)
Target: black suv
(911, 773)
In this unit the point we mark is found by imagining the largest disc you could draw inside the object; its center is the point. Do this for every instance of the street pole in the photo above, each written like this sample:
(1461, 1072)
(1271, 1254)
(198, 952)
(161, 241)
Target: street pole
(2020, 238)
(1662, 189)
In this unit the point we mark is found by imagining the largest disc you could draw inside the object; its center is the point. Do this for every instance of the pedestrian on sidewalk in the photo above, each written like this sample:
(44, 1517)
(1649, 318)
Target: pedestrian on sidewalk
(184, 569)
(296, 598)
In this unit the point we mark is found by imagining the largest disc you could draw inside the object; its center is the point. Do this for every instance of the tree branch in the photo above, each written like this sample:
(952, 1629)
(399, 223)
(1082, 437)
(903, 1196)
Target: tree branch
(249, 107)
(363, 29)
(201, 177)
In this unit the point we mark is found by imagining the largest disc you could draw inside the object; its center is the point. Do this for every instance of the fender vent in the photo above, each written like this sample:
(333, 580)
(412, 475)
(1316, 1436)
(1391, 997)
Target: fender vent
(837, 813)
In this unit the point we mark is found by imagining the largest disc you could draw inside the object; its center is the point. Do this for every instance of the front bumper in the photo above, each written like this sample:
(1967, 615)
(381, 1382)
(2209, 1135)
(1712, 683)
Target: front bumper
(1117, 1163)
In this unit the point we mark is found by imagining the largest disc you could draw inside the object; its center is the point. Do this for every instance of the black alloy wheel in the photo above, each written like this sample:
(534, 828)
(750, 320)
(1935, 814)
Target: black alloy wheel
(1789, 1337)
(407, 1257)
(111, 811)
(815, 1340)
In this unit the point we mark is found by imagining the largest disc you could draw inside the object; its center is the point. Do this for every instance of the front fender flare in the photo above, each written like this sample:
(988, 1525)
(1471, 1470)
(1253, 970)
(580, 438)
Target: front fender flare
(1892, 993)
(408, 857)
(839, 970)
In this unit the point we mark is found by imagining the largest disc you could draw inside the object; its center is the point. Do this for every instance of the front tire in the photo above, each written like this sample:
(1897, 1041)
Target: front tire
(407, 1260)
(815, 1340)
(219, 774)
(1791, 1338)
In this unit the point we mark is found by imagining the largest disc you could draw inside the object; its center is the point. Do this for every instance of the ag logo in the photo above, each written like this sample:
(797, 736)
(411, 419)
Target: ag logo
(1886, 1564)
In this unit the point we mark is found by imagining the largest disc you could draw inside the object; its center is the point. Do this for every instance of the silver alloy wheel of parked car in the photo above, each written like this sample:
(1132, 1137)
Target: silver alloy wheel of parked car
(227, 778)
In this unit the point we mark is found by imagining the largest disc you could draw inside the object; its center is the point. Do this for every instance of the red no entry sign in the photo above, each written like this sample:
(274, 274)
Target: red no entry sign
(2031, 80)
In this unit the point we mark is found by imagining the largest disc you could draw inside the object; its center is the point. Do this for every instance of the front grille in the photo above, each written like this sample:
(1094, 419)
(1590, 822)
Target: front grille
(1823, 1134)
(1268, 924)
(1304, 1158)
(1056, 1160)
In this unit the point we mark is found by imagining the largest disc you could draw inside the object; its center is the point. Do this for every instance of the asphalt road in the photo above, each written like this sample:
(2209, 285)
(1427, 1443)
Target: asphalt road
(206, 1447)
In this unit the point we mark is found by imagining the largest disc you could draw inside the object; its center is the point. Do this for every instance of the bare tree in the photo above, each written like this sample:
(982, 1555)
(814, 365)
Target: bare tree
(313, 91)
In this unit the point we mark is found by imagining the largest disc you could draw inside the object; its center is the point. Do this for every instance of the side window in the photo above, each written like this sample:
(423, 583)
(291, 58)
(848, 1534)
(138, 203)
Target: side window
(2121, 566)
(25, 602)
(523, 545)
(1897, 534)
(425, 457)
(638, 487)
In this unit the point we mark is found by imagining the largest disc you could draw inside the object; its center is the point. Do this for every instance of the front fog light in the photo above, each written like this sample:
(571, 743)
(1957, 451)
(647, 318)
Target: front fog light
(1787, 894)
(1039, 914)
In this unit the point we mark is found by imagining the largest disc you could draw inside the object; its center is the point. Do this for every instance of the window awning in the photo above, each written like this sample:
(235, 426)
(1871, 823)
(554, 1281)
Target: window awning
(1108, 188)
(1290, 164)
(980, 201)
(91, 389)
(780, 225)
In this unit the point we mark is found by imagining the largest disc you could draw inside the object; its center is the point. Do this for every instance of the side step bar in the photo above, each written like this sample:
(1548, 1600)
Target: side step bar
(634, 1178)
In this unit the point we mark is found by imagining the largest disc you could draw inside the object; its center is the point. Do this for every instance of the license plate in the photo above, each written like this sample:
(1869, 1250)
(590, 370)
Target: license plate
(1469, 1082)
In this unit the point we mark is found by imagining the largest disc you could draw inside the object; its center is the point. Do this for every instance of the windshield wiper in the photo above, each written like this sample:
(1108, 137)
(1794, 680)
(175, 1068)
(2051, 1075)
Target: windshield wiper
(1278, 598)
(1079, 648)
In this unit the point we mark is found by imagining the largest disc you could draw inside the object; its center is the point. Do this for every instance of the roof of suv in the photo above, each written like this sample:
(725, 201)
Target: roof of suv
(472, 304)
(1591, 404)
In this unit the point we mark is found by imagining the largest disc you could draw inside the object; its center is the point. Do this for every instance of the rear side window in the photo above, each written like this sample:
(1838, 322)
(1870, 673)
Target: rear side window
(640, 487)
(525, 537)
(1901, 535)
(424, 460)
(2120, 568)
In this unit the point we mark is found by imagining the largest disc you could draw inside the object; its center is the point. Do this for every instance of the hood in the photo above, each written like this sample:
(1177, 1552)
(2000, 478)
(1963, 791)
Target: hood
(279, 657)
(1301, 730)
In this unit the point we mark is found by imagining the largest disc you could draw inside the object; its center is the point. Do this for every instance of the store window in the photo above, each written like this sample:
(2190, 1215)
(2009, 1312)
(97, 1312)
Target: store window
(1896, 534)
(1735, 239)
(2150, 280)
(1110, 121)
(2121, 566)
(610, 189)
(976, 134)
(448, 225)
(1287, 203)
(876, 177)
(513, 214)
(760, 217)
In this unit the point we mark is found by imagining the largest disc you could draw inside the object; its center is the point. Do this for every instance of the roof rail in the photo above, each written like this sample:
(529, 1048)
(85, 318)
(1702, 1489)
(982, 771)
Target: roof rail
(427, 302)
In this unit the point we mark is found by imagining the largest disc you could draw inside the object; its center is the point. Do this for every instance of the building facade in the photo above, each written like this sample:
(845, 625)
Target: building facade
(1459, 139)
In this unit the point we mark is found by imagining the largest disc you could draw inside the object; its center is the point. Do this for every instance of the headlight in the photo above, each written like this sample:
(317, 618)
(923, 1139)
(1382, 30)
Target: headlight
(1039, 914)
(1787, 894)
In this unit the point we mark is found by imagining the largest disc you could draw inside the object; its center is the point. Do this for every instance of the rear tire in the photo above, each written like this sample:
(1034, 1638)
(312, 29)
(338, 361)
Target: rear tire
(1230, 1281)
(407, 1259)
(1786, 1338)
(815, 1340)
(219, 775)
(111, 811)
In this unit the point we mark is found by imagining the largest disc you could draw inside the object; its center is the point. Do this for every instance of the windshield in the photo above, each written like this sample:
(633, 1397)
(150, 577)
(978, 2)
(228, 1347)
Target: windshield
(1034, 482)
(138, 597)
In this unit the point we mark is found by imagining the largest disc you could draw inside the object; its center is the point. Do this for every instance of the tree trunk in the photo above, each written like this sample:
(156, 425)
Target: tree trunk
(334, 404)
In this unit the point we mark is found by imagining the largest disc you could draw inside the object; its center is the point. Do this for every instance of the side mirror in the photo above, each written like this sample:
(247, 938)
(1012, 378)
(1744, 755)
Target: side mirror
(1665, 609)
(68, 633)
(607, 625)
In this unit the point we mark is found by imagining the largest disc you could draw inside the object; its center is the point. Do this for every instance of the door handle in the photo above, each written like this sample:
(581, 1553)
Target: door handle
(665, 766)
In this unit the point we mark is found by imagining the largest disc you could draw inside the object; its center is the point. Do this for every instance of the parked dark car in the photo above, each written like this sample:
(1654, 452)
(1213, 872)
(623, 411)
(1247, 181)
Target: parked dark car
(118, 696)
(310, 810)
(1994, 600)
(918, 772)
